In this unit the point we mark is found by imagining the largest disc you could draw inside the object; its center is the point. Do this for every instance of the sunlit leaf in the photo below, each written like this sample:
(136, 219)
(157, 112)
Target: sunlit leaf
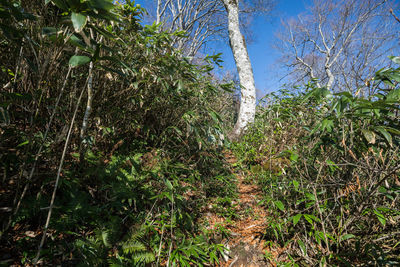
(23, 143)
(215, 116)
(76, 61)
(79, 21)
(380, 217)
(369, 136)
(279, 205)
(385, 134)
(393, 95)
(327, 125)
(296, 218)
(168, 184)
(395, 59)
(308, 218)
(302, 247)
(296, 184)
(102, 4)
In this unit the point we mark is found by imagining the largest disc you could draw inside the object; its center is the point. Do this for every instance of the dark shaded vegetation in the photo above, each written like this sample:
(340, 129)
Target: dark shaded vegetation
(101, 114)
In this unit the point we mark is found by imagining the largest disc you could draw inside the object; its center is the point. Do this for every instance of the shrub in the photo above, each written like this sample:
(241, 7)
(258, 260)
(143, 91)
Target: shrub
(337, 200)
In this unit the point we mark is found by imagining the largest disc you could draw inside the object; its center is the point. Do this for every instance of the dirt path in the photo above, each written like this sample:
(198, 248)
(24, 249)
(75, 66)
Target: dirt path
(245, 243)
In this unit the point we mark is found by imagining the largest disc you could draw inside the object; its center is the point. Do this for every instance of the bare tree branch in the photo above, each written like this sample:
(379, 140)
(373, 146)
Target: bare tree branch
(339, 42)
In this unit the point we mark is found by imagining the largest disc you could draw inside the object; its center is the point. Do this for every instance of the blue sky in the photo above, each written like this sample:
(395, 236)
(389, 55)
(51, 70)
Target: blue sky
(262, 54)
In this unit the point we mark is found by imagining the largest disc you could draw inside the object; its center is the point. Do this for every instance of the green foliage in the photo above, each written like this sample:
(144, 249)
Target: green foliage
(135, 180)
(133, 184)
(329, 168)
(196, 251)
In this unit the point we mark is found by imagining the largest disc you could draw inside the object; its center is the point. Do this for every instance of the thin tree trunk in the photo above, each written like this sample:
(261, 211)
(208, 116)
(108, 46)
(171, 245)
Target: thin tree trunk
(248, 89)
(53, 196)
(88, 111)
(38, 154)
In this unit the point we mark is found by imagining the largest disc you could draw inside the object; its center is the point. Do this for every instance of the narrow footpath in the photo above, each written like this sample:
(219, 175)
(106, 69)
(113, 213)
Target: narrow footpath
(246, 244)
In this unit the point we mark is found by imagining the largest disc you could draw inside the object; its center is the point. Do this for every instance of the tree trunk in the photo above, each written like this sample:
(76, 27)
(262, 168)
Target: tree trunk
(248, 89)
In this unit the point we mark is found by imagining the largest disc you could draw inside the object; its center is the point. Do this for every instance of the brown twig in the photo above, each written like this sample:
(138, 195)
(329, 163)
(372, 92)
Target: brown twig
(394, 15)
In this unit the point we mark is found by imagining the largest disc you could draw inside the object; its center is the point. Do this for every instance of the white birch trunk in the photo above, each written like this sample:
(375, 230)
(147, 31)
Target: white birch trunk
(331, 78)
(248, 89)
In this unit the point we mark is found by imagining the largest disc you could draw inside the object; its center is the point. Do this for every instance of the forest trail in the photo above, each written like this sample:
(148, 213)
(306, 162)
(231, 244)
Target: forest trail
(246, 243)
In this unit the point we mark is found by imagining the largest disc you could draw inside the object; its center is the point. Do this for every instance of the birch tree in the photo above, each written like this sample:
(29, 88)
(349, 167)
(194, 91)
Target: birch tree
(339, 43)
(207, 20)
(248, 89)
(201, 20)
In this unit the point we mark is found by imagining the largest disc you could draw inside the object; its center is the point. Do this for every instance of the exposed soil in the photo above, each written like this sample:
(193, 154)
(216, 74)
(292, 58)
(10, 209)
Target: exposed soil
(246, 244)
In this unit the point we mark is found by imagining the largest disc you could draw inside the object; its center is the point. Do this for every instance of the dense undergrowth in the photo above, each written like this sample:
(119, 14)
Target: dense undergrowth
(329, 167)
(111, 140)
(108, 129)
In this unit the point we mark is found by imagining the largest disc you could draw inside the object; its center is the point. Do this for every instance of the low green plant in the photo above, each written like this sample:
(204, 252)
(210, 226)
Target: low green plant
(335, 200)
(107, 133)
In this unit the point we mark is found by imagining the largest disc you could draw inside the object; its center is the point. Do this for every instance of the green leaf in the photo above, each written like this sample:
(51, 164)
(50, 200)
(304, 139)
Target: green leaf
(105, 237)
(346, 236)
(393, 95)
(296, 185)
(393, 130)
(332, 166)
(322, 262)
(395, 59)
(180, 86)
(216, 118)
(167, 195)
(327, 125)
(48, 31)
(380, 217)
(176, 129)
(23, 143)
(385, 134)
(79, 21)
(310, 196)
(321, 236)
(279, 205)
(76, 41)
(308, 219)
(294, 157)
(76, 61)
(296, 219)
(302, 246)
(168, 184)
(104, 32)
(102, 4)
(369, 136)
(394, 76)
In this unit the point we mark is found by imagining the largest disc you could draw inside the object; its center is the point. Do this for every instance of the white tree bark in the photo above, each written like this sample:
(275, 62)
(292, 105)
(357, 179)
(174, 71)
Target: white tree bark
(248, 89)
(340, 42)
(203, 21)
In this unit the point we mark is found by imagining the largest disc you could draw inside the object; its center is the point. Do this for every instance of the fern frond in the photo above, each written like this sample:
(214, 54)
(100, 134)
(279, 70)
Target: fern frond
(138, 234)
(144, 257)
(133, 246)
